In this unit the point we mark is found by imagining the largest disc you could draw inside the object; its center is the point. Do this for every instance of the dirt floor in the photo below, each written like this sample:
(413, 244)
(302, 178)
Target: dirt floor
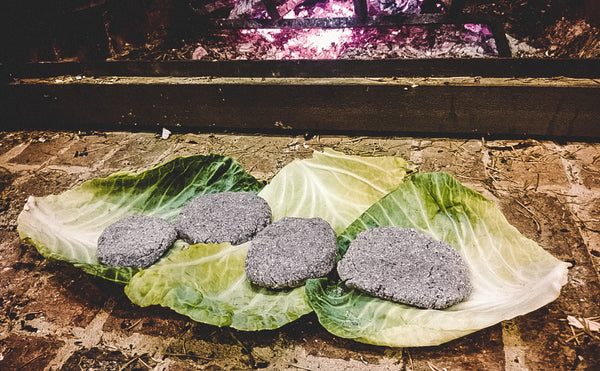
(53, 316)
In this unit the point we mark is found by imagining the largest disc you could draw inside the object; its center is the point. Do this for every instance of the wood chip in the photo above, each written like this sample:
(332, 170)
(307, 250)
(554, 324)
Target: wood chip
(584, 323)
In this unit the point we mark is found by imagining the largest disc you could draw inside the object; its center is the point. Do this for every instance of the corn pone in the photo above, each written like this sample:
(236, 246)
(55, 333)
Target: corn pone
(406, 266)
(223, 217)
(290, 251)
(135, 241)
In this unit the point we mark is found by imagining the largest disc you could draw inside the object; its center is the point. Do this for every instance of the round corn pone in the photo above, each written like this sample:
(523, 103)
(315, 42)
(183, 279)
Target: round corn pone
(223, 217)
(290, 251)
(135, 241)
(406, 266)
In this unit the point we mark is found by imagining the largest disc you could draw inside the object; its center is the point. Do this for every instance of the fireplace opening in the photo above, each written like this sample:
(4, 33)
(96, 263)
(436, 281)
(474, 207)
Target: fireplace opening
(343, 29)
(217, 30)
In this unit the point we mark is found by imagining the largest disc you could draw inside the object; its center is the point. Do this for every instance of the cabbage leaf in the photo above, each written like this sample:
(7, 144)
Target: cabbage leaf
(207, 282)
(333, 186)
(511, 274)
(67, 226)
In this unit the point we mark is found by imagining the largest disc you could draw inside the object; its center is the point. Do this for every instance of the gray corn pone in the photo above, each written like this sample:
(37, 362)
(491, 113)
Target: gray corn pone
(290, 251)
(223, 217)
(135, 241)
(406, 266)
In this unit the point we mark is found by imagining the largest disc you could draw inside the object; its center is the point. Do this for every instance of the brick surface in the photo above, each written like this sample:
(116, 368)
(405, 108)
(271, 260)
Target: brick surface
(25, 352)
(53, 316)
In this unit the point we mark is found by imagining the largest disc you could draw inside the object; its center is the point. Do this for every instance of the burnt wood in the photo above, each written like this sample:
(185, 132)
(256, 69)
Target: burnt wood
(272, 10)
(203, 8)
(442, 67)
(360, 10)
(276, 12)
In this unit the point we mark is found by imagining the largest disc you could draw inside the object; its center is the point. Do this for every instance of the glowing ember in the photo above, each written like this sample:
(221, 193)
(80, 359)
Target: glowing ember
(427, 41)
(322, 41)
(314, 43)
(434, 41)
(327, 9)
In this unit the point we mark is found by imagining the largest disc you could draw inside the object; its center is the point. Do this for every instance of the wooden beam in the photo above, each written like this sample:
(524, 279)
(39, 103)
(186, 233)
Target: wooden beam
(456, 106)
(362, 20)
(441, 67)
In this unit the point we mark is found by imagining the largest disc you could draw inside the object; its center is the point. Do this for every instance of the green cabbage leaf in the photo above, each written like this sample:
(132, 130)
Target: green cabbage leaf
(207, 282)
(67, 226)
(511, 274)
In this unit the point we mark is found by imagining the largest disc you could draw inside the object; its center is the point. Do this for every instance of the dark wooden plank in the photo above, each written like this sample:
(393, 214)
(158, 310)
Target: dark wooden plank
(493, 67)
(443, 108)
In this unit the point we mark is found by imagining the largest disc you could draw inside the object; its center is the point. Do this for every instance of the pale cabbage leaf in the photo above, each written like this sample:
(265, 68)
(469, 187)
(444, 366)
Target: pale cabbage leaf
(67, 226)
(208, 282)
(333, 186)
(511, 274)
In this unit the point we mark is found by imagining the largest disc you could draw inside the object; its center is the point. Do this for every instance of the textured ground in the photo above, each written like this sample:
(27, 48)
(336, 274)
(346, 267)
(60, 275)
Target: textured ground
(53, 316)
